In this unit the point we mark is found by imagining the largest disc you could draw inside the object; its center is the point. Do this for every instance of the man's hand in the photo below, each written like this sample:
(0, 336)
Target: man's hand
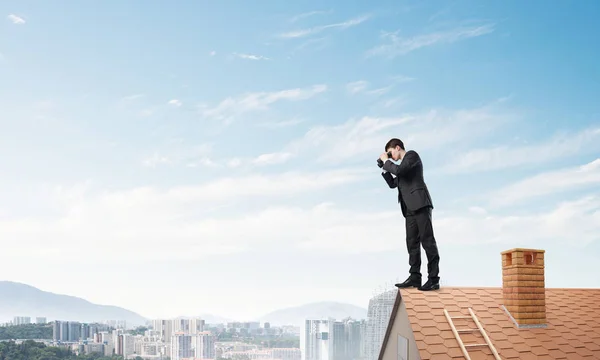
(384, 157)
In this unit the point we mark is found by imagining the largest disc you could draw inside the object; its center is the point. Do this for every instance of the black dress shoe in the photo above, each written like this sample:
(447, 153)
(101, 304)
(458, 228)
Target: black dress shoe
(410, 282)
(430, 285)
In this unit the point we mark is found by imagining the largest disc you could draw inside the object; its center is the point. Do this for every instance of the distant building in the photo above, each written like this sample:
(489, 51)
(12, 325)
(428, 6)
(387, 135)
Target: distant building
(21, 320)
(328, 339)
(74, 331)
(204, 345)
(41, 320)
(197, 346)
(378, 317)
(181, 346)
(117, 324)
(315, 339)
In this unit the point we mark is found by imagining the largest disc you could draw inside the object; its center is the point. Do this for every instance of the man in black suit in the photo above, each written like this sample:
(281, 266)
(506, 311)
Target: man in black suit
(416, 206)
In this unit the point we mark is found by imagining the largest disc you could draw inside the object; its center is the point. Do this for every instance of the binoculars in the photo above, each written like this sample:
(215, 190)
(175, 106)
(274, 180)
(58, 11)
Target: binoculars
(380, 163)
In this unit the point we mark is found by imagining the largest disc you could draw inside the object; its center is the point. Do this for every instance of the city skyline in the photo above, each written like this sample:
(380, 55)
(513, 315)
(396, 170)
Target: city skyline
(211, 158)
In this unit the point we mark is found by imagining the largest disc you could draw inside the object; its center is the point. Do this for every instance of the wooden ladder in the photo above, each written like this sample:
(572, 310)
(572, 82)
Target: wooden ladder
(479, 328)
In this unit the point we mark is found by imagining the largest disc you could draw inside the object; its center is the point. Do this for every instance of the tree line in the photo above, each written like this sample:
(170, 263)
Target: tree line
(26, 331)
(32, 350)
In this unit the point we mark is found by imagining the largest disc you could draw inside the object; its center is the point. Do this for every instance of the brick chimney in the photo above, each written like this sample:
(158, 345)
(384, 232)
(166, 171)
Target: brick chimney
(523, 286)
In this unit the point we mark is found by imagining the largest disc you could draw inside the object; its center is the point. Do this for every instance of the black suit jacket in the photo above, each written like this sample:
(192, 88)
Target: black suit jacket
(412, 190)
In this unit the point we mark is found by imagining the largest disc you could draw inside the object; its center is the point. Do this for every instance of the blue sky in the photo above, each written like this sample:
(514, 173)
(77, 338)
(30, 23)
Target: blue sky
(186, 158)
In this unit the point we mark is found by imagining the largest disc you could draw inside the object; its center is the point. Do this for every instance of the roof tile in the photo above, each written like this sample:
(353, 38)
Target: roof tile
(433, 340)
(584, 352)
(510, 354)
(437, 349)
(573, 329)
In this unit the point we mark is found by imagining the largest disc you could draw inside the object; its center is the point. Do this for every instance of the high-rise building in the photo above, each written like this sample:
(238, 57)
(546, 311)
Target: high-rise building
(56, 327)
(162, 327)
(85, 331)
(338, 341)
(333, 340)
(21, 320)
(204, 345)
(73, 331)
(181, 325)
(181, 346)
(315, 339)
(41, 320)
(378, 317)
(196, 326)
(354, 334)
(167, 327)
(363, 339)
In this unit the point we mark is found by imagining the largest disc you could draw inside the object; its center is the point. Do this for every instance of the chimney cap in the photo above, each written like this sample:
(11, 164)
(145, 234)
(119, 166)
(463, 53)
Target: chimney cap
(522, 250)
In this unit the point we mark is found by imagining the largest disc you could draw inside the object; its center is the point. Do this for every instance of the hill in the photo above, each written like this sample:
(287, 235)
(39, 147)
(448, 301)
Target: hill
(322, 310)
(18, 299)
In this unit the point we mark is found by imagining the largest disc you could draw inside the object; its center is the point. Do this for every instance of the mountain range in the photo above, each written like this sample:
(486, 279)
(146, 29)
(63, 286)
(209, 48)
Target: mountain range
(17, 299)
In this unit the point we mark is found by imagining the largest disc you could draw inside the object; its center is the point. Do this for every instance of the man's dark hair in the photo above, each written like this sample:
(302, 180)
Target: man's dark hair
(393, 143)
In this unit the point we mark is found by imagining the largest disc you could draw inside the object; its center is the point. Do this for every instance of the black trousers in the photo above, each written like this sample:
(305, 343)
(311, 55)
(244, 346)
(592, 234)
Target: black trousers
(419, 231)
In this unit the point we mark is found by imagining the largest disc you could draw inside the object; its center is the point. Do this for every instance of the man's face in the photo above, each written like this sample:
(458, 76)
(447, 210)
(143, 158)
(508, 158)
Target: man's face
(394, 153)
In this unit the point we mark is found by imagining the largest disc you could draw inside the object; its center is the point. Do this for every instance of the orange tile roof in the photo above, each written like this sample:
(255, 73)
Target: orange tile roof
(572, 331)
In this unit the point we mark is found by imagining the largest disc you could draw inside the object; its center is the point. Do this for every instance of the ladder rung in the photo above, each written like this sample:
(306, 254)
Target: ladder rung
(466, 330)
(464, 346)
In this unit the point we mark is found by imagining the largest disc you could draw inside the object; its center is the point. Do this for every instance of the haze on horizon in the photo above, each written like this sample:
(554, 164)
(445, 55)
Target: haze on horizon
(220, 158)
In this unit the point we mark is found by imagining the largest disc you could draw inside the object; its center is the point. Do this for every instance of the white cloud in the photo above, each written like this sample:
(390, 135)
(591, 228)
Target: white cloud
(398, 100)
(380, 91)
(477, 210)
(146, 112)
(578, 219)
(155, 160)
(552, 182)
(205, 161)
(178, 223)
(317, 29)
(272, 158)
(368, 135)
(16, 19)
(350, 138)
(356, 86)
(234, 163)
(288, 183)
(175, 152)
(361, 86)
(132, 97)
(502, 157)
(250, 56)
(175, 102)
(402, 78)
(397, 45)
(314, 44)
(230, 108)
(281, 124)
(212, 53)
(309, 14)
(167, 224)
